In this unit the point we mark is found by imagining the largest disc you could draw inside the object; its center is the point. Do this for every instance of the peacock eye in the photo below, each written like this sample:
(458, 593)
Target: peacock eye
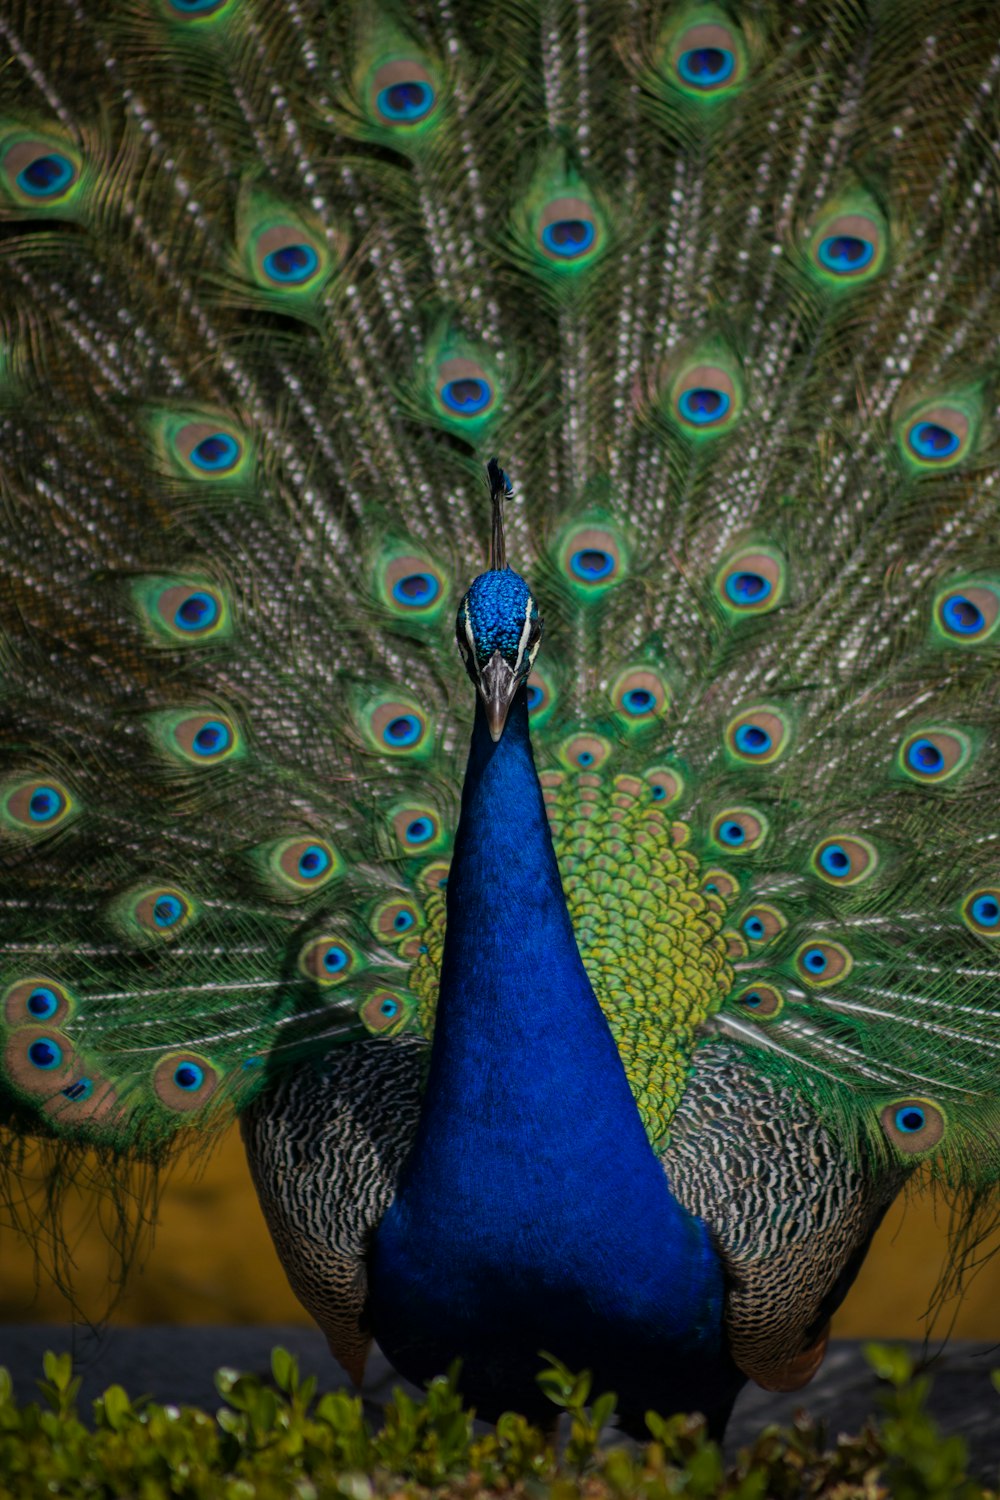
(569, 231)
(403, 92)
(706, 67)
(706, 59)
(291, 264)
(938, 435)
(46, 176)
(38, 172)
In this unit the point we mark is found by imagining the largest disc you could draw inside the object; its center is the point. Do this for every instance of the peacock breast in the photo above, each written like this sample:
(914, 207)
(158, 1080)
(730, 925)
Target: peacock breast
(648, 915)
(633, 1294)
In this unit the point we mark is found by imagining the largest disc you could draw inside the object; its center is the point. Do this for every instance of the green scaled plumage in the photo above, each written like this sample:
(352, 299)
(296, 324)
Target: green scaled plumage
(268, 300)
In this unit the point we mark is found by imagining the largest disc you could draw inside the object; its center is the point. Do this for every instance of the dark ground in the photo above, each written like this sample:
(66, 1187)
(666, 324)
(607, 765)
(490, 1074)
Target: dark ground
(176, 1365)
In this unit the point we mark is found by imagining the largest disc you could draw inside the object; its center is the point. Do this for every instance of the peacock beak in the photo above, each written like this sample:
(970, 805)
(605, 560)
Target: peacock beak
(497, 686)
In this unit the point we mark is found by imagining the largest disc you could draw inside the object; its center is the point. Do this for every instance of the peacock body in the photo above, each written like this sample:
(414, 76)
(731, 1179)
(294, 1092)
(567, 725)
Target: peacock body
(620, 1038)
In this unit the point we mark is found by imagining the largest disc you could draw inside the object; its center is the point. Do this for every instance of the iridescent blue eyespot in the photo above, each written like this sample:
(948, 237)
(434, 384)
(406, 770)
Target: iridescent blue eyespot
(291, 264)
(402, 731)
(639, 694)
(534, 695)
(45, 804)
(167, 911)
(195, 7)
(592, 564)
(763, 999)
(844, 859)
(815, 960)
(212, 738)
(748, 588)
(46, 176)
(197, 612)
(845, 253)
(36, 807)
(706, 67)
(910, 1119)
(703, 405)
(394, 918)
(585, 758)
(389, 1007)
(155, 913)
(753, 581)
(184, 1083)
(914, 1126)
(466, 396)
(313, 861)
(419, 831)
(406, 102)
(78, 1091)
(569, 237)
(216, 452)
(753, 927)
(753, 740)
(45, 1054)
(835, 860)
(962, 616)
(931, 440)
(659, 793)
(986, 911)
(335, 959)
(43, 1003)
(936, 754)
(416, 589)
(924, 757)
(741, 829)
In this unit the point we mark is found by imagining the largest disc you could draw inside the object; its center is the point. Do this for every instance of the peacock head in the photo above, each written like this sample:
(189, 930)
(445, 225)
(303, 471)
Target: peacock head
(498, 627)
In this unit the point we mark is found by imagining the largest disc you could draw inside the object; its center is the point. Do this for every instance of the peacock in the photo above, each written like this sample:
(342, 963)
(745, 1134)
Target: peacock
(592, 987)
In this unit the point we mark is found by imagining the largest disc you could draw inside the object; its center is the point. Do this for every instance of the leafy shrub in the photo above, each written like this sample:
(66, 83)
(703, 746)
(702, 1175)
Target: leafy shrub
(269, 1442)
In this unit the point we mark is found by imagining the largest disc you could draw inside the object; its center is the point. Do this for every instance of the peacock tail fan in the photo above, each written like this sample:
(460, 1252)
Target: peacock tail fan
(715, 281)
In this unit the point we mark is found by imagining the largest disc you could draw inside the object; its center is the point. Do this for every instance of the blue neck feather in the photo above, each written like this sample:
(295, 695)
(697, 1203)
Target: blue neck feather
(532, 1212)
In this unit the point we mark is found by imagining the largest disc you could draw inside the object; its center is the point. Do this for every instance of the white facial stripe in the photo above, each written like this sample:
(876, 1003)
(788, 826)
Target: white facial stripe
(522, 643)
(468, 633)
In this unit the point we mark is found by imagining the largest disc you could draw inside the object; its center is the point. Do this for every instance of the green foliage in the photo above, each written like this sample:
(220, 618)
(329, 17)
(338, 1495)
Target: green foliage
(921, 1463)
(272, 1441)
(572, 1393)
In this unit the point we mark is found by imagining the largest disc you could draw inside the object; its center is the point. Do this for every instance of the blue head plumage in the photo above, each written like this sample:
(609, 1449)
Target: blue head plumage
(493, 615)
(498, 627)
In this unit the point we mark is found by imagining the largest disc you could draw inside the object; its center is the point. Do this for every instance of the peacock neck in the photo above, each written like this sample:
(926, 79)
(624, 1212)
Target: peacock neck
(512, 981)
(523, 1063)
(532, 1212)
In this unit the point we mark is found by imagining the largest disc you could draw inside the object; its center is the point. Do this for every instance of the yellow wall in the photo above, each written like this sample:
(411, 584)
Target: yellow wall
(212, 1262)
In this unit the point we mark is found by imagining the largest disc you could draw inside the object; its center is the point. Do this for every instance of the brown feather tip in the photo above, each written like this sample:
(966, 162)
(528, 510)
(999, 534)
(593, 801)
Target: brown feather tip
(353, 1360)
(797, 1371)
